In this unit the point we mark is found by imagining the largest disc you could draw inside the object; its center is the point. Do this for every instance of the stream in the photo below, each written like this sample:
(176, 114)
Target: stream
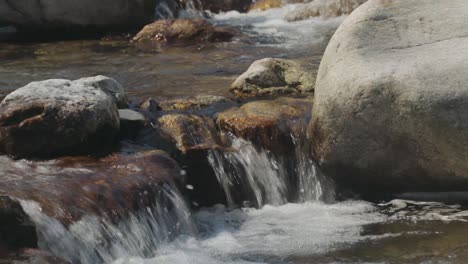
(284, 221)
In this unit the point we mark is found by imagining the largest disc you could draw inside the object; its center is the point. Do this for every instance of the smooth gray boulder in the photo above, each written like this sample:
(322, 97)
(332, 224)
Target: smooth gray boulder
(272, 77)
(55, 117)
(391, 99)
(73, 14)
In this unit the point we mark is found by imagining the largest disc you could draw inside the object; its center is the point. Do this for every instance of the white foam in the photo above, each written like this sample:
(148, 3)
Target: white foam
(274, 29)
(270, 234)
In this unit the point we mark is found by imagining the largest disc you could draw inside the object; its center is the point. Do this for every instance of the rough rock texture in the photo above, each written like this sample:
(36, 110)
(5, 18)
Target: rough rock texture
(57, 116)
(72, 187)
(193, 137)
(198, 102)
(72, 14)
(269, 77)
(182, 32)
(391, 111)
(193, 103)
(268, 124)
(190, 132)
(266, 4)
(323, 8)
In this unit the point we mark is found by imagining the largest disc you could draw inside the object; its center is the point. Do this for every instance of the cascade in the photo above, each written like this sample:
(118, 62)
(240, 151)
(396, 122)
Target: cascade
(263, 178)
(95, 239)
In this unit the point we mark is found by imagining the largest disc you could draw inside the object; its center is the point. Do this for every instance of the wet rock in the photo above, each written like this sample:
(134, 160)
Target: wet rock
(150, 106)
(71, 187)
(266, 4)
(323, 8)
(32, 256)
(16, 229)
(74, 15)
(184, 32)
(272, 77)
(193, 137)
(206, 104)
(193, 103)
(55, 117)
(268, 124)
(190, 132)
(390, 111)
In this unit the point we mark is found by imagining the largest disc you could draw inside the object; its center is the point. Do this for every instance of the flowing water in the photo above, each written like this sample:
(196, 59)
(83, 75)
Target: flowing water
(274, 214)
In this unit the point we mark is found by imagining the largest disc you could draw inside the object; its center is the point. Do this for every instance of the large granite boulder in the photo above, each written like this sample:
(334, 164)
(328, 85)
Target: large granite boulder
(56, 117)
(391, 111)
(72, 14)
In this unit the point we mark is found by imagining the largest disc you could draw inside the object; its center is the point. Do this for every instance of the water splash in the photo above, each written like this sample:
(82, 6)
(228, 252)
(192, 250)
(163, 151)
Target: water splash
(312, 185)
(268, 235)
(262, 178)
(254, 171)
(178, 9)
(98, 240)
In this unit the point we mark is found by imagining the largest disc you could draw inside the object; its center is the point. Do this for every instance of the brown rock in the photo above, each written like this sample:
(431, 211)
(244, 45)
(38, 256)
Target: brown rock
(190, 132)
(72, 187)
(194, 137)
(266, 4)
(184, 32)
(267, 124)
(193, 103)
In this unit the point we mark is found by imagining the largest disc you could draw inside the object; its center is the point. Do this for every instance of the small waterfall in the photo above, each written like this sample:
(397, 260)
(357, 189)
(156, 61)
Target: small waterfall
(192, 9)
(246, 167)
(265, 179)
(95, 239)
(312, 185)
(178, 9)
